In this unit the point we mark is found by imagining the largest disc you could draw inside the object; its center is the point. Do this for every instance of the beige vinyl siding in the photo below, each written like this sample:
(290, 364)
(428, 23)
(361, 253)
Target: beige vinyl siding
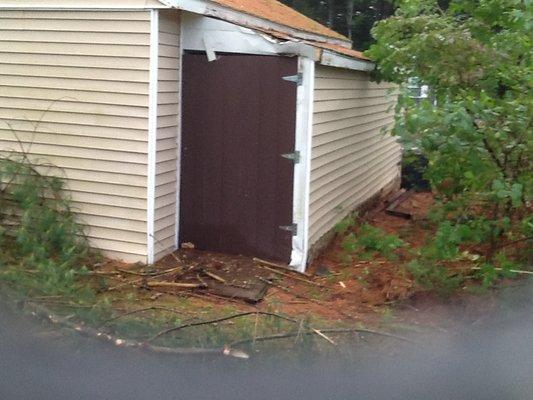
(167, 133)
(352, 158)
(74, 88)
(72, 4)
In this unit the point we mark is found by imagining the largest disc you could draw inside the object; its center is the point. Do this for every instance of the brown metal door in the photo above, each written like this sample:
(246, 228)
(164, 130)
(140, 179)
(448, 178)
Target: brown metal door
(239, 117)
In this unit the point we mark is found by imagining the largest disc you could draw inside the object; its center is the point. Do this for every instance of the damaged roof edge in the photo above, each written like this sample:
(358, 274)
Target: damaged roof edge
(333, 59)
(328, 51)
(241, 17)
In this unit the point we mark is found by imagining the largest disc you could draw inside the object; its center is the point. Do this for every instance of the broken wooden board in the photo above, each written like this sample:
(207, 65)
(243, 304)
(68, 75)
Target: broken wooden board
(230, 276)
(392, 209)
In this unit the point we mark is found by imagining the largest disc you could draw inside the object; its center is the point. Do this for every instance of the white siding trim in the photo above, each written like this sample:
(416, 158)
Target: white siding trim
(152, 133)
(302, 170)
(178, 138)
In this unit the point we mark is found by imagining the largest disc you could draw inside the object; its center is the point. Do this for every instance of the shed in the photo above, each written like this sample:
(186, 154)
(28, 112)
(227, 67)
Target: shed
(240, 126)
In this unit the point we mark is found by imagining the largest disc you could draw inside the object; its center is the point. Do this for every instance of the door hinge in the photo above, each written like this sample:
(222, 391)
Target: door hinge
(298, 79)
(295, 157)
(292, 228)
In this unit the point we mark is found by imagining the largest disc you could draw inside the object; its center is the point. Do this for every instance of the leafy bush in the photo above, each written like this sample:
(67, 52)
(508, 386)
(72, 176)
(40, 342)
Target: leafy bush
(43, 249)
(476, 130)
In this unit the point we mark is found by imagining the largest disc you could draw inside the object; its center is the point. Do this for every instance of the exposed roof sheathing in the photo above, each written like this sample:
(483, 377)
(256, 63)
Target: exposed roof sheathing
(340, 49)
(279, 13)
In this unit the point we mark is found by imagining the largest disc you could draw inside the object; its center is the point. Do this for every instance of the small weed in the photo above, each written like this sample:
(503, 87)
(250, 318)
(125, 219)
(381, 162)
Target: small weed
(387, 316)
(346, 224)
(370, 241)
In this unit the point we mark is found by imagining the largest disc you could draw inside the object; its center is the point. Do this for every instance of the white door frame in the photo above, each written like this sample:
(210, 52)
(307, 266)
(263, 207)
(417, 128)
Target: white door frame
(302, 169)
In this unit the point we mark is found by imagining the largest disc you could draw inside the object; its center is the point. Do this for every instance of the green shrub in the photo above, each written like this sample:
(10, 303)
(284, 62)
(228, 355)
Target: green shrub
(43, 249)
(475, 131)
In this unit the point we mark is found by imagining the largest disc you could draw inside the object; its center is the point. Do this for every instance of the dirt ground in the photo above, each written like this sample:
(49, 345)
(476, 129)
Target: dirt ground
(336, 289)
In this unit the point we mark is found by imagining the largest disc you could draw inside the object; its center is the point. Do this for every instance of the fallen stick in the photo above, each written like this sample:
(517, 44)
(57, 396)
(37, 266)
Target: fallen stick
(102, 273)
(167, 271)
(216, 320)
(59, 303)
(125, 271)
(39, 311)
(139, 311)
(287, 290)
(175, 285)
(151, 274)
(301, 296)
(279, 266)
(131, 283)
(514, 271)
(312, 332)
(215, 277)
(293, 277)
(319, 333)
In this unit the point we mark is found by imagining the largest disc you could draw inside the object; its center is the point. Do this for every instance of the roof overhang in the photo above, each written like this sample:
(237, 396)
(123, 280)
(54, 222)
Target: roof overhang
(215, 10)
(213, 35)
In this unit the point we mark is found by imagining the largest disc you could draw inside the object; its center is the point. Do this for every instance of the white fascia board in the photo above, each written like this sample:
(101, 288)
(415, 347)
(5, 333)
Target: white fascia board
(152, 135)
(302, 170)
(211, 9)
(226, 37)
(333, 59)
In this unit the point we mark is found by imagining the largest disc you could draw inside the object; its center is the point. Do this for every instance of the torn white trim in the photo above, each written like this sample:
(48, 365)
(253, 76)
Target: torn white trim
(152, 134)
(302, 170)
(209, 49)
(200, 33)
(224, 37)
